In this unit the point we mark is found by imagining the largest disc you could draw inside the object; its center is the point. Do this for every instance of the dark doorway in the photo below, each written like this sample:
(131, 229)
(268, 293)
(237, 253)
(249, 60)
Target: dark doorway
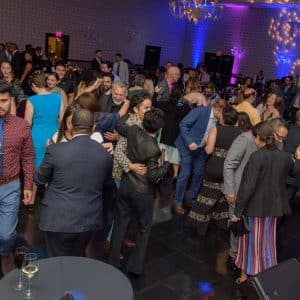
(219, 64)
(57, 46)
(152, 57)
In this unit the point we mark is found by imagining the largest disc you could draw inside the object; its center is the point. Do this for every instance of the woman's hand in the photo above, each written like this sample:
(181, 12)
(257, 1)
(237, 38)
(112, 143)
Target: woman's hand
(108, 147)
(234, 218)
(158, 89)
(94, 86)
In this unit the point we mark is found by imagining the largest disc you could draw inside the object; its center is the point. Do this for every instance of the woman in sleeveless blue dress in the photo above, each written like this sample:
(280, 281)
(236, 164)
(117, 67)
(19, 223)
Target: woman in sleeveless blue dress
(42, 112)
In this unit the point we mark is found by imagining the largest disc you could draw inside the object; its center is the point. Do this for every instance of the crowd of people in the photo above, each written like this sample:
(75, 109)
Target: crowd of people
(100, 148)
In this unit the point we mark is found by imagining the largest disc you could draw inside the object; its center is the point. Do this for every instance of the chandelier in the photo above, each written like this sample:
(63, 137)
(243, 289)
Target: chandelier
(196, 10)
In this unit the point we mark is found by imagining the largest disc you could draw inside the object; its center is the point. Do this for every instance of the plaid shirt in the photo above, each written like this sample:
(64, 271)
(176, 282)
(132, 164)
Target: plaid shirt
(18, 150)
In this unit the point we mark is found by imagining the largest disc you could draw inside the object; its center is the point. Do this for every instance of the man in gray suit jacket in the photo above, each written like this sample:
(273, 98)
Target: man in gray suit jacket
(235, 162)
(75, 172)
(120, 68)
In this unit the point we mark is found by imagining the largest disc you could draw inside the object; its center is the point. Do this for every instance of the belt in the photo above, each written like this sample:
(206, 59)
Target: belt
(7, 180)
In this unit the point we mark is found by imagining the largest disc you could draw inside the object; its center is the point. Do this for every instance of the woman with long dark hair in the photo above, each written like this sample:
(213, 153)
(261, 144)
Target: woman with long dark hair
(262, 198)
(7, 73)
(175, 110)
(28, 70)
(273, 107)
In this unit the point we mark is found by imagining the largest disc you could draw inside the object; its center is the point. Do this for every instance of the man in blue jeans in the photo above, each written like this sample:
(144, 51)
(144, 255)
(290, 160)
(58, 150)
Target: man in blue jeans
(190, 143)
(16, 155)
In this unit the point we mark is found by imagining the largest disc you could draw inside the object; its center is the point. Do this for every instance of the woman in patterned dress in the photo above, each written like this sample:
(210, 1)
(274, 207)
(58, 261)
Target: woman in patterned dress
(210, 204)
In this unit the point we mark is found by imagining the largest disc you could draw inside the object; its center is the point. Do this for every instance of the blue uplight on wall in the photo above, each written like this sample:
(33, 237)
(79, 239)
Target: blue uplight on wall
(198, 42)
(283, 62)
(284, 31)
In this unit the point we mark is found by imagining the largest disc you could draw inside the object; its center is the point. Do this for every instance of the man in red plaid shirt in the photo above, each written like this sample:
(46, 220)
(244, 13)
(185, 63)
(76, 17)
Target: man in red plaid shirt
(16, 156)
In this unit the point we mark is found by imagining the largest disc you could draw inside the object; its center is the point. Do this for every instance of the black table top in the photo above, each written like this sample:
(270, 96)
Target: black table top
(87, 279)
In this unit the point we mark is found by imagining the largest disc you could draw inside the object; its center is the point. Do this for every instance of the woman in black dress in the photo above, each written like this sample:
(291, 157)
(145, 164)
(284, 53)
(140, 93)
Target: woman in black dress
(210, 204)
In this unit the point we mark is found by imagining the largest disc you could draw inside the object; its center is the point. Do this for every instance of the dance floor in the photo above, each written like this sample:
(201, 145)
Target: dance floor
(179, 264)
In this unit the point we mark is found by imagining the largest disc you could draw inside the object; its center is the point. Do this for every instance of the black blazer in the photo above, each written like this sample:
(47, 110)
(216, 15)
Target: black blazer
(142, 148)
(290, 145)
(107, 104)
(75, 173)
(18, 63)
(262, 192)
(174, 113)
(164, 93)
(95, 65)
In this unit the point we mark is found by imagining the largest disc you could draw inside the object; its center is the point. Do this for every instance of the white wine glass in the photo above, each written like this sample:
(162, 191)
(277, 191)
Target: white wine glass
(19, 259)
(29, 269)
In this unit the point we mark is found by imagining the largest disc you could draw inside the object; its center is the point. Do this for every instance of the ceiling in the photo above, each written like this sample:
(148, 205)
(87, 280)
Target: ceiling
(264, 3)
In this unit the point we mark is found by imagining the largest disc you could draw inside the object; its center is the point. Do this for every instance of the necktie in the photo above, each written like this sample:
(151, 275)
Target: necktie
(118, 69)
(1, 146)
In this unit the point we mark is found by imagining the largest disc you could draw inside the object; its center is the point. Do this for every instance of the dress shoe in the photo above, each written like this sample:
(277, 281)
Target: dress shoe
(187, 204)
(133, 275)
(7, 264)
(178, 210)
(174, 181)
(106, 245)
(129, 243)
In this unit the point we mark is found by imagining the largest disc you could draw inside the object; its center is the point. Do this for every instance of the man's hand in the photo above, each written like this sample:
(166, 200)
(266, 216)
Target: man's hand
(111, 136)
(230, 198)
(139, 169)
(193, 146)
(28, 200)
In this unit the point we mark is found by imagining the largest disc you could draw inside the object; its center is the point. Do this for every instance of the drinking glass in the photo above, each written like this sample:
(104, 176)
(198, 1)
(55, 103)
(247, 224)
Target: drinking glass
(19, 258)
(30, 268)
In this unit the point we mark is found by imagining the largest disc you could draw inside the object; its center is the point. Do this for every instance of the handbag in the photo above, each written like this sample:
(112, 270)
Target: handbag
(239, 228)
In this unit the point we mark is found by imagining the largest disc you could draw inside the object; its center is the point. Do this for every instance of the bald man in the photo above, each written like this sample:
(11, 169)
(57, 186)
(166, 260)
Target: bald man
(164, 88)
(246, 105)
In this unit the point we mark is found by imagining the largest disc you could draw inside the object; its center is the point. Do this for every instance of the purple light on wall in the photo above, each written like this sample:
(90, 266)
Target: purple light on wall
(235, 6)
(237, 50)
(238, 54)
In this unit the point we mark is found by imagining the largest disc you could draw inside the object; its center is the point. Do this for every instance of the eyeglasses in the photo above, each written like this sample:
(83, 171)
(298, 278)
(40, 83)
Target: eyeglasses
(280, 137)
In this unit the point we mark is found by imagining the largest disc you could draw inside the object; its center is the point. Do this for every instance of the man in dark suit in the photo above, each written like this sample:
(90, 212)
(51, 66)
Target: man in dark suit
(17, 60)
(75, 172)
(105, 89)
(97, 61)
